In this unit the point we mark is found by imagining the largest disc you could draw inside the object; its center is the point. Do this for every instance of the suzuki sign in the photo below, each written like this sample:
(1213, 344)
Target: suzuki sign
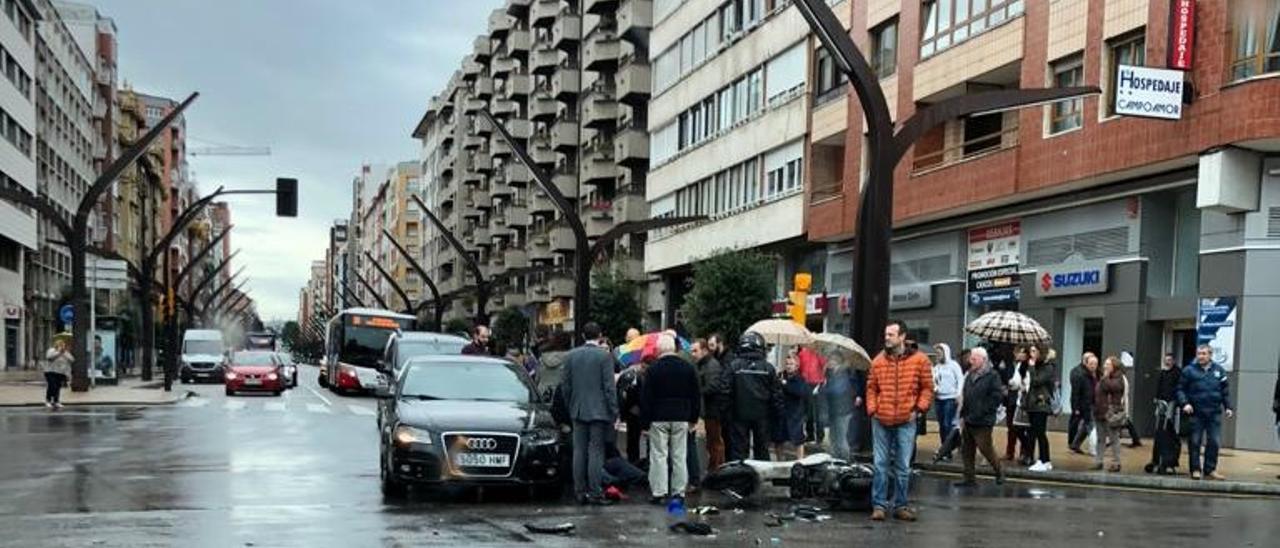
(1072, 279)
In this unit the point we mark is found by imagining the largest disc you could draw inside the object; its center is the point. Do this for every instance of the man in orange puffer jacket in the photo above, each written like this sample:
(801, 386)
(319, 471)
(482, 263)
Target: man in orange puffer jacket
(899, 389)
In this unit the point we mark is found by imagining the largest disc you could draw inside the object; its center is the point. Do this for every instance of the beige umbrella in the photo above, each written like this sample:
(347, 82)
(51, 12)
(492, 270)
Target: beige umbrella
(783, 332)
(846, 348)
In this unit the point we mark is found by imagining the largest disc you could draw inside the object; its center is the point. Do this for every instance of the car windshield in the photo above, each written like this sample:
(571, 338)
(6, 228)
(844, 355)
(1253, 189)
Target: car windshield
(477, 381)
(202, 347)
(413, 349)
(254, 359)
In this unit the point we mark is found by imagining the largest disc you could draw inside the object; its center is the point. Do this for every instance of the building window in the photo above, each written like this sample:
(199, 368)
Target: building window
(1129, 50)
(825, 77)
(1067, 115)
(10, 254)
(982, 133)
(1255, 38)
(950, 22)
(884, 48)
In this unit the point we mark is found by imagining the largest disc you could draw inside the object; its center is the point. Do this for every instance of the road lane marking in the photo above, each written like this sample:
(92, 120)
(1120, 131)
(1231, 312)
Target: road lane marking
(233, 405)
(274, 406)
(318, 408)
(358, 410)
(319, 395)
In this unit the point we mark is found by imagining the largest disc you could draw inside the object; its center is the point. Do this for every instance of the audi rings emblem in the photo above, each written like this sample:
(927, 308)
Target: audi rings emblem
(482, 444)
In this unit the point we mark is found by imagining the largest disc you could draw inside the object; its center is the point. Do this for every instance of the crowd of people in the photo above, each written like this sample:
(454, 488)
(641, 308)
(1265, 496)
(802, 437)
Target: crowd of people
(744, 407)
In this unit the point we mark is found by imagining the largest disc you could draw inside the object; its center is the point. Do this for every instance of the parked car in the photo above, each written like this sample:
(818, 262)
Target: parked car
(255, 371)
(466, 420)
(289, 369)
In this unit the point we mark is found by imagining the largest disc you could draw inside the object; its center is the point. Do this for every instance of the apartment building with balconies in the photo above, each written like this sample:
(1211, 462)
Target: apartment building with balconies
(569, 81)
(19, 227)
(1116, 231)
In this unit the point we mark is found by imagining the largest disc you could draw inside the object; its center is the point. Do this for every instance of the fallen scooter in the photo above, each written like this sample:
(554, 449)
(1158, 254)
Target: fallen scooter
(841, 484)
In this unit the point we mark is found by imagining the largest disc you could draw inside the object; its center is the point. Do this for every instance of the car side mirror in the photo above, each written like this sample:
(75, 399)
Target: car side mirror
(383, 391)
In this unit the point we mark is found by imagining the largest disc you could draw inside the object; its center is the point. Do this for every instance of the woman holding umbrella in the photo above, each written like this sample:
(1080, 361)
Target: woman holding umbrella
(57, 367)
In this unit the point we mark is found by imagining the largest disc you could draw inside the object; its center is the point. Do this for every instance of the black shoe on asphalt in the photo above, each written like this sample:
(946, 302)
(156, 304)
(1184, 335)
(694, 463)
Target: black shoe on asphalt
(1149, 468)
(657, 501)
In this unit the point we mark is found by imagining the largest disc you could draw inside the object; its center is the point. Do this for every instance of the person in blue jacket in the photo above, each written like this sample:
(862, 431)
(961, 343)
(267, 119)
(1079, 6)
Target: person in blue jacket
(1204, 393)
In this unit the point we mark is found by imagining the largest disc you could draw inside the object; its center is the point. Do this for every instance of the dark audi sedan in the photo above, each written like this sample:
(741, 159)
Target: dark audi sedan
(466, 420)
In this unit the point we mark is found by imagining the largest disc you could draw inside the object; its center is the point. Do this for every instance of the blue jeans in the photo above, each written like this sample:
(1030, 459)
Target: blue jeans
(892, 446)
(946, 410)
(840, 426)
(1206, 429)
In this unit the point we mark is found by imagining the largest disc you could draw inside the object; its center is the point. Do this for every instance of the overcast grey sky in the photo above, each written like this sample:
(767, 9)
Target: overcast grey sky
(327, 84)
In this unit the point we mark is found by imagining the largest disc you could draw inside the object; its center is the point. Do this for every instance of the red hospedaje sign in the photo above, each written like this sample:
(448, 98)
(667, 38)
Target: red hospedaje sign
(1182, 34)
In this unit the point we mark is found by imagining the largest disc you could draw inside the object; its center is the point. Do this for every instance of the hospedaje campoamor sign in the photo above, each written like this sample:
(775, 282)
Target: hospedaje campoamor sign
(1149, 92)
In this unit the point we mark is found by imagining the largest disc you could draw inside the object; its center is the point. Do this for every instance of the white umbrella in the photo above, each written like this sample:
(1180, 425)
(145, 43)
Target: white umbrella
(784, 332)
(844, 346)
(1007, 326)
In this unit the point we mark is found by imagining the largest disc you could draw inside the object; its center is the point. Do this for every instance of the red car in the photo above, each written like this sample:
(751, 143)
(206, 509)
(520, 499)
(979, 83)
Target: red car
(255, 371)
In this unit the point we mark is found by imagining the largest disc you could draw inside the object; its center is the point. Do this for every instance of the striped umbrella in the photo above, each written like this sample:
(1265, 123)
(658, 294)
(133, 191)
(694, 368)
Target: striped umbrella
(1007, 326)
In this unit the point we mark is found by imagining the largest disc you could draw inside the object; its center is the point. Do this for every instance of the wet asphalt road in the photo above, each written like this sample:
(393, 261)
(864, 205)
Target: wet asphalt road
(301, 470)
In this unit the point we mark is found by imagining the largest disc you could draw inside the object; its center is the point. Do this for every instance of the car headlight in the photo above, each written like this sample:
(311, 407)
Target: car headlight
(405, 435)
(272, 376)
(540, 437)
(231, 375)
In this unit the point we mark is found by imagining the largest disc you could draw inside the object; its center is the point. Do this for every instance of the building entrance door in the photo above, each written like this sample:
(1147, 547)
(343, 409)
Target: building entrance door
(1082, 332)
(11, 330)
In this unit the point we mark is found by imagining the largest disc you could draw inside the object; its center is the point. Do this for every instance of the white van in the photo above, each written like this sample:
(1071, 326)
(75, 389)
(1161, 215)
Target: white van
(204, 355)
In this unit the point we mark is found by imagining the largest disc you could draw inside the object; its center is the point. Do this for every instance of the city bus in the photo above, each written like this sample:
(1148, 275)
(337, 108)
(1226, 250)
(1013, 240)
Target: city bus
(354, 342)
(265, 340)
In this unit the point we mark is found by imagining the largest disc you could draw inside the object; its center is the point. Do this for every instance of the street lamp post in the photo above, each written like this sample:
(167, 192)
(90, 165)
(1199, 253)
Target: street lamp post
(886, 150)
(426, 279)
(381, 302)
(216, 294)
(189, 303)
(386, 276)
(482, 285)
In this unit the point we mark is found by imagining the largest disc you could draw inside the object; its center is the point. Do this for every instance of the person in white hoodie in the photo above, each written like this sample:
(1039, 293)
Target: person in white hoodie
(948, 379)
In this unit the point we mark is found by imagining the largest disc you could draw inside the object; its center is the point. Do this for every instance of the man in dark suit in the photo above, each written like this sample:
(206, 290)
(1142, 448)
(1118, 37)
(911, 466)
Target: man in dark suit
(592, 400)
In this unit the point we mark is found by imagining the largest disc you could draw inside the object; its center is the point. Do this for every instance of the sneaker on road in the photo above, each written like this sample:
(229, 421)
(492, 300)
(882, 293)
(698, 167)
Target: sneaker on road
(877, 514)
(1037, 467)
(48, 404)
(1046, 466)
(1195, 474)
(1214, 475)
(904, 514)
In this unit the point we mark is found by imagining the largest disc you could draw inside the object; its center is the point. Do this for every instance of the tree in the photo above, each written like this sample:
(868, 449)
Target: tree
(457, 325)
(614, 305)
(289, 334)
(509, 329)
(730, 292)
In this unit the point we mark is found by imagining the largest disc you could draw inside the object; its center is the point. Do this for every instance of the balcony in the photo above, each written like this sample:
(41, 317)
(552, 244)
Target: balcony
(517, 8)
(473, 142)
(518, 175)
(598, 166)
(482, 163)
(482, 236)
(600, 110)
(471, 177)
(446, 196)
(519, 129)
(482, 48)
(516, 257)
(499, 191)
(500, 67)
(543, 108)
(560, 287)
(483, 88)
(567, 31)
(541, 152)
(635, 19)
(566, 181)
(473, 106)
(499, 24)
(517, 214)
(634, 82)
(519, 86)
(498, 148)
(511, 298)
(629, 205)
(519, 42)
(566, 83)
(933, 154)
(469, 210)
(541, 204)
(545, 59)
(600, 7)
(561, 238)
(444, 169)
(540, 247)
(602, 51)
(631, 147)
(597, 219)
(471, 69)
(503, 108)
(480, 126)
(543, 13)
(564, 135)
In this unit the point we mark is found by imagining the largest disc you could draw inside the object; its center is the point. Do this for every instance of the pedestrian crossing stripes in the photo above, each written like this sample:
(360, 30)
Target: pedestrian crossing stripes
(282, 405)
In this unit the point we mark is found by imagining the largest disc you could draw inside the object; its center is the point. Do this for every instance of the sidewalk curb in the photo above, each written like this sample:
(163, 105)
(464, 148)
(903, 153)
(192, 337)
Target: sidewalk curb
(184, 395)
(1164, 483)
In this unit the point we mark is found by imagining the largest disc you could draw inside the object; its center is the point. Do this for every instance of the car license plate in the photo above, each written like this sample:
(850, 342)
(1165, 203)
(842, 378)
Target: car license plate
(482, 460)
(253, 382)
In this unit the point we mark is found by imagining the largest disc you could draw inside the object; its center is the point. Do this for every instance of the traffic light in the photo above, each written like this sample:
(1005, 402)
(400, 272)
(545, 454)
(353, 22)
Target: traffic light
(799, 298)
(286, 197)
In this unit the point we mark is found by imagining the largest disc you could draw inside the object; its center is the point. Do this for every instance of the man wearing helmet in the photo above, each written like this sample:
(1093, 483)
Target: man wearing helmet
(755, 395)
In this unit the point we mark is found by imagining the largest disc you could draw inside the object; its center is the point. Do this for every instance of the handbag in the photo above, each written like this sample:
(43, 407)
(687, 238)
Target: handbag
(1117, 418)
(1021, 418)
